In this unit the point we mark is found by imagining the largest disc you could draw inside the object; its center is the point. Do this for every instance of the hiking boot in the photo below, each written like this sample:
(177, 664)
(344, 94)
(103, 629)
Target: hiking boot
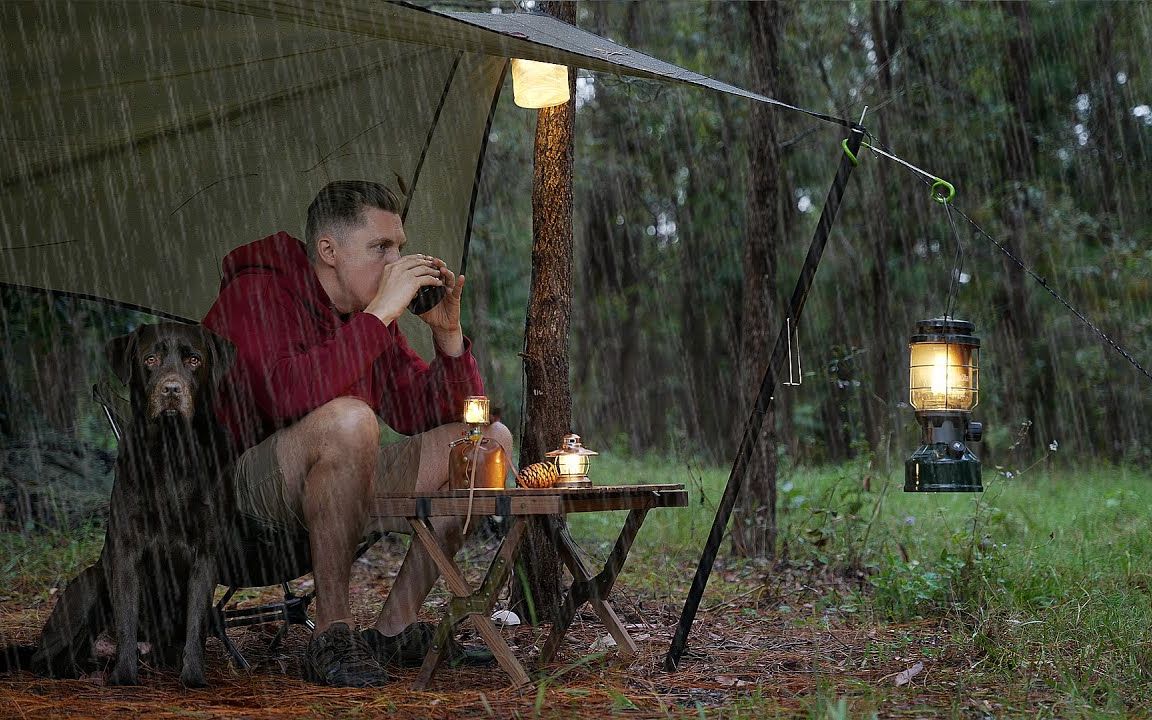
(339, 657)
(409, 647)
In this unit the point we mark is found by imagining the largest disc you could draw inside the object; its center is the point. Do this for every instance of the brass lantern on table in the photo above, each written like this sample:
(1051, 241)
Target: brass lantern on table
(572, 463)
(475, 461)
(943, 388)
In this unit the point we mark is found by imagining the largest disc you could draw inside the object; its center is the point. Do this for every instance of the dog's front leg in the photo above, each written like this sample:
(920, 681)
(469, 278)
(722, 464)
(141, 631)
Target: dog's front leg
(200, 586)
(126, 606)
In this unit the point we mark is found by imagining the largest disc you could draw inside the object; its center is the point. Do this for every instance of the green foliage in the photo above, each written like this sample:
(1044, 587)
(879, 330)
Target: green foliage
(827, 524)
(56, 448)
(660, 187)
(660, 200)
(32, 566)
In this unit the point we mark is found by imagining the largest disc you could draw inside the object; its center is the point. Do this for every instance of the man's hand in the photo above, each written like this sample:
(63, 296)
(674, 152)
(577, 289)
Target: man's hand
(444, 318)
(399, 283)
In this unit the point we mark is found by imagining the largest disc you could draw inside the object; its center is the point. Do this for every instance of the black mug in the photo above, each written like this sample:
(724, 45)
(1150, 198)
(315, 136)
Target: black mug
(427, 298)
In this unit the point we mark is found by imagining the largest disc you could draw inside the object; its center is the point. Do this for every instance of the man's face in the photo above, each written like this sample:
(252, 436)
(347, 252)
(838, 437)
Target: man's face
(360, 256)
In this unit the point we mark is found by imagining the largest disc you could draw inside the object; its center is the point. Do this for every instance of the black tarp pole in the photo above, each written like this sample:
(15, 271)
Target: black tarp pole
(764, 399)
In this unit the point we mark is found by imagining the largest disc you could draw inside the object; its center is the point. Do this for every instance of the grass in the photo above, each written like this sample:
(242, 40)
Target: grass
(1044, 579)
(1031, 599)
(33, 565)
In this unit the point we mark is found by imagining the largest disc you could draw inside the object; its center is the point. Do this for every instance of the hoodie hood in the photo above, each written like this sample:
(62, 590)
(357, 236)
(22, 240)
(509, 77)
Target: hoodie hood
(284, 257)
(295, 352)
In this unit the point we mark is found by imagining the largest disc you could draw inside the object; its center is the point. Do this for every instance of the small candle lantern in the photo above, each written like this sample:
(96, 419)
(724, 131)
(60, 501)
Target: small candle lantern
(539, 84)
(476, 410)
(572, 463)
(475, 461)
(943, 388)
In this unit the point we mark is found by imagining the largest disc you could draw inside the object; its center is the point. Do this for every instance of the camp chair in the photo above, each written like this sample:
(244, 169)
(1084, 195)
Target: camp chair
(249, 558)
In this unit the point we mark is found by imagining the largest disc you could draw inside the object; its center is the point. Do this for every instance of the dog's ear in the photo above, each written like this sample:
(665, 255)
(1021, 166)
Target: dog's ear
(223, 354)
(120, 353)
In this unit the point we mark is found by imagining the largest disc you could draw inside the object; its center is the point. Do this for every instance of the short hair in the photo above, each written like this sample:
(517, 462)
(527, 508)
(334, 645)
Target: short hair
(338, 206)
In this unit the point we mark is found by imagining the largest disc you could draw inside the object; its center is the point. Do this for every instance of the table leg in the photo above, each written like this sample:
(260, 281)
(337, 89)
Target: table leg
(477, 606)
(593, 589)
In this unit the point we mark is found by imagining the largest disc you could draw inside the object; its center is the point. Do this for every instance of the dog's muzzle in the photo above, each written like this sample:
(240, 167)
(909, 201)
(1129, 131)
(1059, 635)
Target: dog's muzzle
(171, 396)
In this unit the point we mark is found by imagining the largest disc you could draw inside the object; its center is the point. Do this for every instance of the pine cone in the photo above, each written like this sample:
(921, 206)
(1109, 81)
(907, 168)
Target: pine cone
(538, 475)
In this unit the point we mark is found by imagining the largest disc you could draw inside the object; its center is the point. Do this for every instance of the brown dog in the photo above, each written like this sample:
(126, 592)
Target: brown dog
(157, 572)
(165, 512)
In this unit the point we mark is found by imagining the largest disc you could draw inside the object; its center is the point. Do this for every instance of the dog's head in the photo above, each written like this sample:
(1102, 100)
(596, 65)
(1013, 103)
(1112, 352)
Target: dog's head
(171, 369)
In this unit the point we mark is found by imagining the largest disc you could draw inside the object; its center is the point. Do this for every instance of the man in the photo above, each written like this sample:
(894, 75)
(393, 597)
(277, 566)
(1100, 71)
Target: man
(319, 357)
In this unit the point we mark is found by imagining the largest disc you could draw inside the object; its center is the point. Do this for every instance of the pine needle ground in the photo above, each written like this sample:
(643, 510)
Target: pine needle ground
(1049, 625)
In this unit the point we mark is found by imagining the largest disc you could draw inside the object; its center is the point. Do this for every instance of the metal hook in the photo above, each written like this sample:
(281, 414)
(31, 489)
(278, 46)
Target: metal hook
(798, 379)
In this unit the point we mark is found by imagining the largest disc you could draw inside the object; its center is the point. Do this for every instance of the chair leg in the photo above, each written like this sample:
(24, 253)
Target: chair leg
(281, 633)
(292, 610)
(218, 623)
(237, 657)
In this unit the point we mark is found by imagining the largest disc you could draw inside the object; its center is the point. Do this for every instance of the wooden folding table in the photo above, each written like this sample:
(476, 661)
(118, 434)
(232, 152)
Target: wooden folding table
(516, 505)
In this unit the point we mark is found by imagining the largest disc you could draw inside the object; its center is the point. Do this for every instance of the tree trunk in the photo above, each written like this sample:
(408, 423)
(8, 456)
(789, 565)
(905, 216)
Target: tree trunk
(548, 398)
(879, 397)
(754, 519)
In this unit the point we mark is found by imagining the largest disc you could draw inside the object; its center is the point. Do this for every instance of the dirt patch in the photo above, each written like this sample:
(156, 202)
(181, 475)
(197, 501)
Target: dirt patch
(765, 643)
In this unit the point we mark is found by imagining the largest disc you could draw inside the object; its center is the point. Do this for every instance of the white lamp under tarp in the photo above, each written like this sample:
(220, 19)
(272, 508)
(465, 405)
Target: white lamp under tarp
(539, 84)
(170, 154)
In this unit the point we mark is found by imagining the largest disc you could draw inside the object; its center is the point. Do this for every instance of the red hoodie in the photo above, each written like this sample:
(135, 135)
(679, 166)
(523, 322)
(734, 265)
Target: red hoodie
(295, 352)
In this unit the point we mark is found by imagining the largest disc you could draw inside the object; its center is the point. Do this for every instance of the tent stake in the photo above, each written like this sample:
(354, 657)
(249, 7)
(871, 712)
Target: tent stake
(763, 400)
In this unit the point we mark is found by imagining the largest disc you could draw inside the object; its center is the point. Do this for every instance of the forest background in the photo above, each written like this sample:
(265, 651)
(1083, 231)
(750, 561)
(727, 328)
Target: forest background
(1039, 114)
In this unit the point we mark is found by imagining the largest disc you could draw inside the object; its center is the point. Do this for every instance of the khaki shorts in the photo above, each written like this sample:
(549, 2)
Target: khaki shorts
(262, 497)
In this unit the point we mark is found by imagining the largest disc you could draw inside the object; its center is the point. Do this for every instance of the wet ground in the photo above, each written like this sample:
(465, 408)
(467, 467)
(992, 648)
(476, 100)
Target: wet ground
(758, 649)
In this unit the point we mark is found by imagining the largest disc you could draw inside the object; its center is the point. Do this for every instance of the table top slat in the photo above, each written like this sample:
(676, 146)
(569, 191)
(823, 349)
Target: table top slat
(531, 501)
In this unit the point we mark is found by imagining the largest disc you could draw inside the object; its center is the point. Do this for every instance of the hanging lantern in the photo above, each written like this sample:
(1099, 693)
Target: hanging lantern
(943, 388)
(539, 84)
(572, 463)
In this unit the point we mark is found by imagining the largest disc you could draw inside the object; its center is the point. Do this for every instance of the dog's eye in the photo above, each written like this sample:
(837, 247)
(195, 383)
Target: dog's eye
(192, 361)
(151, 361)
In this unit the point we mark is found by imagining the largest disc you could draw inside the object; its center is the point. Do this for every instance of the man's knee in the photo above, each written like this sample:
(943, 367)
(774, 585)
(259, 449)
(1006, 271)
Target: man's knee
(346, 425)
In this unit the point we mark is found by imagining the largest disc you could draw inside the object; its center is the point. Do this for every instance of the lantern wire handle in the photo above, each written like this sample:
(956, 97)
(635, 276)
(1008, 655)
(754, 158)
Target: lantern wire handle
(958, 263)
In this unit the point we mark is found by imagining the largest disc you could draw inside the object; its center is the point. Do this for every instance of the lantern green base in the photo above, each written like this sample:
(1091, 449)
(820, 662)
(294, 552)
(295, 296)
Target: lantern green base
(941, 468)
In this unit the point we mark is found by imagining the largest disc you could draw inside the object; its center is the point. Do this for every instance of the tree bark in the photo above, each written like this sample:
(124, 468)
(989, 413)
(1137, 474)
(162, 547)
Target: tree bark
(879, 418)
(548, 397)
(754, 519)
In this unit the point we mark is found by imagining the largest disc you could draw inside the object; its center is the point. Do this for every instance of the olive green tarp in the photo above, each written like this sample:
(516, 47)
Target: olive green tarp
(141, 141)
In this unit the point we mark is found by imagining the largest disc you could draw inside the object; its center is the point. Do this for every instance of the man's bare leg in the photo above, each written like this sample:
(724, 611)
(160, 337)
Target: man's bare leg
(329, 461)
(418, 572)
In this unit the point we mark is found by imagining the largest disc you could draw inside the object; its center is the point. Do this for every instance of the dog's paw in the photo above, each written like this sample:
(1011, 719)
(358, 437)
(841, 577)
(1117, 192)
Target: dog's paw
(123, 676)
(193, 678)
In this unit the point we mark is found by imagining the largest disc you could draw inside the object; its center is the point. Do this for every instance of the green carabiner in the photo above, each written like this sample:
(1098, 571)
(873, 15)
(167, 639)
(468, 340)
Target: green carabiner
(940, 198)
(855, 160)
